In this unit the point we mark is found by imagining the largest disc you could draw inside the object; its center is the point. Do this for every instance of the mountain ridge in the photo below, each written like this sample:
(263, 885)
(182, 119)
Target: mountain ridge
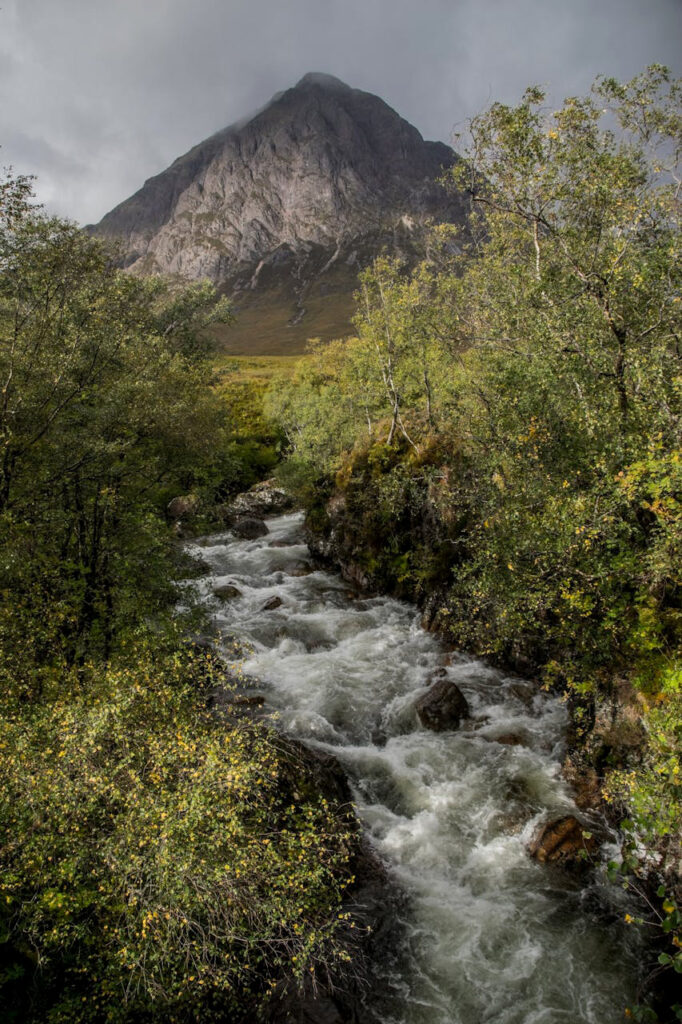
(293, 200)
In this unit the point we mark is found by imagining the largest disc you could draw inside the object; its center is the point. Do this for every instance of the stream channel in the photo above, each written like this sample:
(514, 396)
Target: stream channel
(488, 936)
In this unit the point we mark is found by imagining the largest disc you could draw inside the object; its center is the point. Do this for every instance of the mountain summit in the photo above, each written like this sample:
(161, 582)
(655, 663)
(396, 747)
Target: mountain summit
(283, 208)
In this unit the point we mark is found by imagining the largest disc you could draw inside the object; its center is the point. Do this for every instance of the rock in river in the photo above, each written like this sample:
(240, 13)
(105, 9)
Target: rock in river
(227, 592)
(564, 841)
(249, 529)
(442, 707)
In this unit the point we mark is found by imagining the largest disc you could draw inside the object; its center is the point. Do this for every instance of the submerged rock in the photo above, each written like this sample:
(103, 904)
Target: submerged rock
(442, 707)
(300, 569)
(524, 690)
(227, 592)
(271, 604)
(565, 841)
(509, 739)
(249, 529)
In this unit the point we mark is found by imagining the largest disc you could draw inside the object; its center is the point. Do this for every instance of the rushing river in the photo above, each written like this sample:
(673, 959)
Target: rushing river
(489, 936)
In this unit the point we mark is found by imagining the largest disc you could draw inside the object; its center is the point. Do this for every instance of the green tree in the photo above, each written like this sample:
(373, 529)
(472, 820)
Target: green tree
(158, 861)
(104, 404)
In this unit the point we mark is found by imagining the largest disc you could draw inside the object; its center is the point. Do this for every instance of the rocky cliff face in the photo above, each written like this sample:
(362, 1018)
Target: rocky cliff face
(290, 204)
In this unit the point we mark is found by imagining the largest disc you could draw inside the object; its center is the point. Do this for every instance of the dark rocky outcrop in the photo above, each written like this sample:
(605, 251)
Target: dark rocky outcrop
(606, 730)
(442, 707)
(272, 604)
(247, 528)
(372, 899)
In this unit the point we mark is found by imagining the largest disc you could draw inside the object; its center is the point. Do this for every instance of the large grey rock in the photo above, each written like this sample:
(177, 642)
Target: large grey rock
(265, 498)
(442, 707)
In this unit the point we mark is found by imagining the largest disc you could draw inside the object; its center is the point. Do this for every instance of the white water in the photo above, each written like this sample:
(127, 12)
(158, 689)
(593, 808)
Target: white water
(490, 937)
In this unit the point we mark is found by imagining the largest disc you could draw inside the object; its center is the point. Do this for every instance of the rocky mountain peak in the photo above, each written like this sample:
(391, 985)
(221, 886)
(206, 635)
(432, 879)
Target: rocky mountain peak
(285, 206)
(321, 80)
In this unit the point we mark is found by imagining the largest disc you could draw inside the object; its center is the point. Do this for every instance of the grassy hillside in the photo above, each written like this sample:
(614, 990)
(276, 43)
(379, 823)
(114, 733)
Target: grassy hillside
(269, 321)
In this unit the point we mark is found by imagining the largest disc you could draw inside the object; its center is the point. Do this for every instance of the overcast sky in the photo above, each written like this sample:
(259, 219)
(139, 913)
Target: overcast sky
(97, 95)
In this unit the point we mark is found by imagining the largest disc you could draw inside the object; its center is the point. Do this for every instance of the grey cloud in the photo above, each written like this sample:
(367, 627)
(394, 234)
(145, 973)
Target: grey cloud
(97, 96)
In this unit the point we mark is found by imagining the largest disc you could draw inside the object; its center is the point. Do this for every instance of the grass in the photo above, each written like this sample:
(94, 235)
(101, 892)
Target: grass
(264, 318)
(255, 368)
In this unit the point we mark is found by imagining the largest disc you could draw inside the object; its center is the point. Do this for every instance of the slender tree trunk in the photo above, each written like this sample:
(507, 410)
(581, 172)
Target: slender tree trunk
(619, 371)
(427, 389)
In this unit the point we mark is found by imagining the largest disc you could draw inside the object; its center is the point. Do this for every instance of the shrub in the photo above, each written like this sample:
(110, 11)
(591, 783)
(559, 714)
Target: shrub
(157, 858)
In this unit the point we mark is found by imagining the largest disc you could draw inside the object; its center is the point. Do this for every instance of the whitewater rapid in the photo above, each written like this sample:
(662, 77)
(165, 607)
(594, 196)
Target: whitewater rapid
(488, 936)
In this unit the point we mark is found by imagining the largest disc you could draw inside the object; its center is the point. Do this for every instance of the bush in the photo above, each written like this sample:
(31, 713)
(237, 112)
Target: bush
(158, 859)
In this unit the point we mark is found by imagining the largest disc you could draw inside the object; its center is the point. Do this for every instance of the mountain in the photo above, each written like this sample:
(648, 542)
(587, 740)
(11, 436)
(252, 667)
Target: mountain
(282, 209)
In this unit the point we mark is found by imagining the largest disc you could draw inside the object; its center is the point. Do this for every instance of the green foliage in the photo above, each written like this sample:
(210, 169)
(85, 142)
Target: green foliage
(156, 857)
(254, 442)
(653, 793)
(105, 407)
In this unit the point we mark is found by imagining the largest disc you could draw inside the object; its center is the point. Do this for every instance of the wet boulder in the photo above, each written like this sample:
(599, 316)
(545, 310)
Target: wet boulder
(564, 841)
(524, 691)
(300, 569)
(265, 498)
(227, 592)
(442, 707)
(247, 528)
(510, 739)
(271, 604)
